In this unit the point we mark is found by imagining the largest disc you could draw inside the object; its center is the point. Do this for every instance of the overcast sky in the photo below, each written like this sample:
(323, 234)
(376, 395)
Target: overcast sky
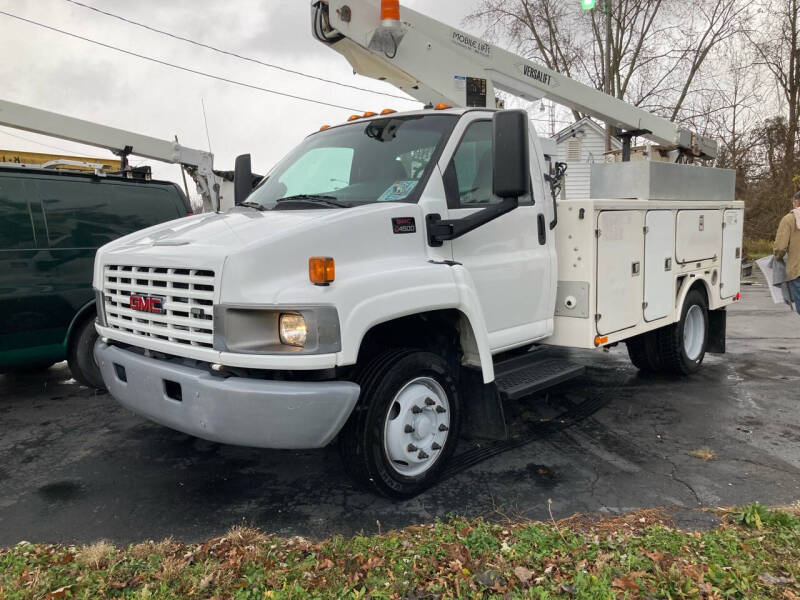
(49, 70)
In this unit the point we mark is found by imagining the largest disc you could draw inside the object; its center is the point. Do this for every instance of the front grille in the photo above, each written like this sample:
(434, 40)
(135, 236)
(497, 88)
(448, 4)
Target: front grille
(186, 297)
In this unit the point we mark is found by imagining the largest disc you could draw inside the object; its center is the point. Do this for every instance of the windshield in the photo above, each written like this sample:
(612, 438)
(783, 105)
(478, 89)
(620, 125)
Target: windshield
(383, 160)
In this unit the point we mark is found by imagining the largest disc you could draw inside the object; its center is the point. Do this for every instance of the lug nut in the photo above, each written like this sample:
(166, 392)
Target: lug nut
(416, 409)
(436, 446)
(412, 448)
(409, 429)
(429, 401)
(422, 454)
(440, 409)
(443, 427)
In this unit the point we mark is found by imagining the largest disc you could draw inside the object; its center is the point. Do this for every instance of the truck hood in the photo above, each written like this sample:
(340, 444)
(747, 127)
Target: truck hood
(274, 244)
(239, 227)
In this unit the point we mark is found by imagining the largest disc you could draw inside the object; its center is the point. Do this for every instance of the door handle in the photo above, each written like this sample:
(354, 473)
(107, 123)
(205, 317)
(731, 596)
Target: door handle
(636, 268)
(542, 230)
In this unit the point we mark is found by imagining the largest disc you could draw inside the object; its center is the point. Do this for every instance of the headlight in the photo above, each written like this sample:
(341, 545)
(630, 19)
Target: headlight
(293, 330)
(289, 329)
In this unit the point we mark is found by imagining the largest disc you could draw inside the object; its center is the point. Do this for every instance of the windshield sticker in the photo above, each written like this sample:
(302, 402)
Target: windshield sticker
(399, 190)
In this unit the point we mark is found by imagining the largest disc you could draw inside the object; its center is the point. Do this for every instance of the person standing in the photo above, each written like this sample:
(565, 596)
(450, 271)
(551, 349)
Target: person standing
(787, 247)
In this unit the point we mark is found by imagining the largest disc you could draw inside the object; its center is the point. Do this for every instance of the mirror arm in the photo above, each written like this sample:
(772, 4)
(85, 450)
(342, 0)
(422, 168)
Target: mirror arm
(441, 230)
(556, 181)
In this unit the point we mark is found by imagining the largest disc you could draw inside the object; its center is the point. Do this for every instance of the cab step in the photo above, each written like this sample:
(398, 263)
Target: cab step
(530, 373)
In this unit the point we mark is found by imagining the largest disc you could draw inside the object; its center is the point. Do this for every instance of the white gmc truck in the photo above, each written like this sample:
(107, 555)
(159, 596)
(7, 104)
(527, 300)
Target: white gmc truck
(388, 283)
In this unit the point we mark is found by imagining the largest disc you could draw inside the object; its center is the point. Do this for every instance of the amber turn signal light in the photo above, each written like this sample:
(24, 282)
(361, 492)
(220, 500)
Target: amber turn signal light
(600, 341)
(321, 270)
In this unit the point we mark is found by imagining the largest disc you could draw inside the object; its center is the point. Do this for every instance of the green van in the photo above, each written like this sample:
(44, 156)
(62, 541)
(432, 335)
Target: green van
(51, 224)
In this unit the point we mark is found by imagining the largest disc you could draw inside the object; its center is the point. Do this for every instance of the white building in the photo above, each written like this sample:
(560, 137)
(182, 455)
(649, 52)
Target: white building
(580, 145)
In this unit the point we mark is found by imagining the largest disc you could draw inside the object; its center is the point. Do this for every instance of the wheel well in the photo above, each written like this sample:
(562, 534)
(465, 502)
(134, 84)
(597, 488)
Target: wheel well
(439, 331)
(88, 311)
(700, 285)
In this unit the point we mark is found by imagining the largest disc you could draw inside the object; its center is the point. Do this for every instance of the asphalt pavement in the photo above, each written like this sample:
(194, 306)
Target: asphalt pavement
(76, 467)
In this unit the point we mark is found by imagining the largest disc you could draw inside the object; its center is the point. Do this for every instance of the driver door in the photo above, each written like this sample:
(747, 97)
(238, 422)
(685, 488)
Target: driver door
(510, 259)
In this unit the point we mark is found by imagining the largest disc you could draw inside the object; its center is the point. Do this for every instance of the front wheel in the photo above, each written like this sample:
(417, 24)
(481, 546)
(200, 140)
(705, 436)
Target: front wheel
(683, 345)
(405, 425)
(81, 360)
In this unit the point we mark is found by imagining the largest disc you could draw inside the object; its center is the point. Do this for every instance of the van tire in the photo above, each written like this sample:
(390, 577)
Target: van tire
(80, 357)
(689, 335)
(365, 441)
(643, 351)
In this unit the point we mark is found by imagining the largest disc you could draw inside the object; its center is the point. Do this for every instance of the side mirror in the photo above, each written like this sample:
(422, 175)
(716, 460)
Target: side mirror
(242, 179)
(512, 167)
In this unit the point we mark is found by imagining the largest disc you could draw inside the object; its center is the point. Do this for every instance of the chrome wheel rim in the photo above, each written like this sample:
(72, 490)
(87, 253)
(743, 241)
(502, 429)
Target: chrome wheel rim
(416, 427)
(694, 332)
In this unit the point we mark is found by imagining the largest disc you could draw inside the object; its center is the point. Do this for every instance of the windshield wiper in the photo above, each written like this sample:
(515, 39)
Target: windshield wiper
(314, 199)
(255, 205)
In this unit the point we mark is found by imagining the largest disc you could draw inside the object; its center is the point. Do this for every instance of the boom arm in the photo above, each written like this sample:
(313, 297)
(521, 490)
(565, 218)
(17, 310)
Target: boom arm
(435, 63)
(198, 163)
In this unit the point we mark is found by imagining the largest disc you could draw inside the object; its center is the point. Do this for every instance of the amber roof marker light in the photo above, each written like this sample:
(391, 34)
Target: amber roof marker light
(390, 10)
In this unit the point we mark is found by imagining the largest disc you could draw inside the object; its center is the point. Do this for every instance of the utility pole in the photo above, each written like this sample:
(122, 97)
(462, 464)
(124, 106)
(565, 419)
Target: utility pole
(607, 68)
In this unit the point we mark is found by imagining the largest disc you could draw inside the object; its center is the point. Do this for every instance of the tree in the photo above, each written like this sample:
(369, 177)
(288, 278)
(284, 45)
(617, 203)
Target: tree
(658, 47)
(777, 42)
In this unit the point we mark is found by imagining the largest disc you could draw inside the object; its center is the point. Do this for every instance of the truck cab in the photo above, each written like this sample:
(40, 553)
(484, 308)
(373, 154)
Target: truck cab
(263, 325)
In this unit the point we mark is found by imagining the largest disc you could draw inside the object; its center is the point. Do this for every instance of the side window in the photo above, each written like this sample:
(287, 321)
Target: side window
(16, 228)
(473, 169)
(473, 166)
(74, 213)
(88, 214)
(320, 171)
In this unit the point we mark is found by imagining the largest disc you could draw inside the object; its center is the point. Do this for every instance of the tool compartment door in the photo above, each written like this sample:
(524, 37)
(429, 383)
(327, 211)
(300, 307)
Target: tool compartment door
(731, 253)
(699, 235)
(620, 254)
(659, 248)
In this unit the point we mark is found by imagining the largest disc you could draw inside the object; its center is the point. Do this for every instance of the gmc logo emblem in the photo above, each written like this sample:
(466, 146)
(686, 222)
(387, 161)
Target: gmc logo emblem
(151, 304)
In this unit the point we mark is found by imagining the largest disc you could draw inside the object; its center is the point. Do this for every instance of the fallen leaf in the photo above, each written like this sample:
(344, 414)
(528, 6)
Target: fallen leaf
(206, 581)
(523, 574)
(704, 453)
(490, 579)
(602, 559)
(768, 579)
(59, 593)
(625, 583)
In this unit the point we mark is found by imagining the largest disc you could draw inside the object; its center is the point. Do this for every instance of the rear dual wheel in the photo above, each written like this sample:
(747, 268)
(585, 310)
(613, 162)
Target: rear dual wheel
(679, 348)
(683, 345)
(405, 425)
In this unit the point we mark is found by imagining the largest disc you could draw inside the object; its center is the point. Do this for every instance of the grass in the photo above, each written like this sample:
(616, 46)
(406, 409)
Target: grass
(755, 553)
(757, 248)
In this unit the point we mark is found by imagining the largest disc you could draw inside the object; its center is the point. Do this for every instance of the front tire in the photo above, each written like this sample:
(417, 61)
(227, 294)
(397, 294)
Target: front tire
(683, 345)
(81, 356)
(406, 423)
